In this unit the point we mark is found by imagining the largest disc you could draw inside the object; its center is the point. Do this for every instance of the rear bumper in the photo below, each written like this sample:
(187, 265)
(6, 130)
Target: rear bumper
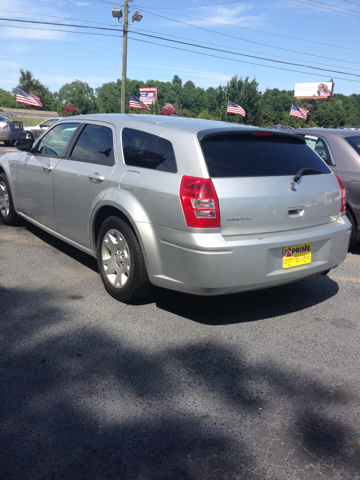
(9, 135)
(210, 264)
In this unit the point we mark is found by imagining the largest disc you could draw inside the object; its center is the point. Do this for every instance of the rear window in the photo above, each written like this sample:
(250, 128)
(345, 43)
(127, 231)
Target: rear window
(355, 143)
(248, 155)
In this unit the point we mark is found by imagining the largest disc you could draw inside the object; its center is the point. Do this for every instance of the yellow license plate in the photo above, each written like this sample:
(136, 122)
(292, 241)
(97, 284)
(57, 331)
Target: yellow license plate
(296, 255)
(16, 126)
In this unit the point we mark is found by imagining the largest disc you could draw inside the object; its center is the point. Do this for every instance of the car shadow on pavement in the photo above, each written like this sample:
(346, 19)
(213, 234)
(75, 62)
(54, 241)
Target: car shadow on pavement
(249, 306)
(79, 402)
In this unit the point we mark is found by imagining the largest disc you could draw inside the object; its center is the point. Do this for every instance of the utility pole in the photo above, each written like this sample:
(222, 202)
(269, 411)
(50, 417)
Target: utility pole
(124, 56)
(117, 13)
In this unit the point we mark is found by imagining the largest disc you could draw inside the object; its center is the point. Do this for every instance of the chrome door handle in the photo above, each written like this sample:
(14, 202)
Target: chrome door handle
(48, 168)
(96, 176)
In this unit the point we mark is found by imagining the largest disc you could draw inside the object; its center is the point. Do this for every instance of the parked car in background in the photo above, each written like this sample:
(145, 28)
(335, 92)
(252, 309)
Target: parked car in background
(191, 205)
(11, 131)
(340, 149)
(349, 128)
(279, 127)
(33, 133)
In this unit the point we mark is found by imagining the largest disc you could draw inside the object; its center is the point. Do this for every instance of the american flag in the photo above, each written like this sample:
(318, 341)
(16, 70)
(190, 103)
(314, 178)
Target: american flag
(135, 103)
(235, 108)
(297, 111)
(23, 96)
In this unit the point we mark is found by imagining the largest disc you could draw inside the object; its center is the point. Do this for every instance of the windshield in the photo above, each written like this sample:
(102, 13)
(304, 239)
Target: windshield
(355, 143)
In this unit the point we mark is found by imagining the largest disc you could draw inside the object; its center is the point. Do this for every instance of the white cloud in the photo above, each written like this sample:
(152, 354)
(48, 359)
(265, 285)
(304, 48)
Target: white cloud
(9, 66)
(37, 34)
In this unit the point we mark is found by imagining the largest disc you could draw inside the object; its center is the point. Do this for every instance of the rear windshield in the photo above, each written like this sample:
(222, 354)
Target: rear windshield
(248, 155)
(354, 142)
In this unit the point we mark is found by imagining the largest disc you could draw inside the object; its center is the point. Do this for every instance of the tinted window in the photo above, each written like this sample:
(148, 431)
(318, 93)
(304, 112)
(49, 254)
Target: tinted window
(319, 147)
(148, 151)
(354, 142)
(4, 119)
(95, 145)
(247, 155)
(56, 140)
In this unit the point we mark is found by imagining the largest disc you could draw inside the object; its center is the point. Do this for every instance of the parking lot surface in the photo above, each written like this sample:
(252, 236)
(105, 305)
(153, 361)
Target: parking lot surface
(259, 385)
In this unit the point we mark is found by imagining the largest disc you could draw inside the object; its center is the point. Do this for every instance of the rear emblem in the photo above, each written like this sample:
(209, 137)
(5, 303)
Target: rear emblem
(293, 187)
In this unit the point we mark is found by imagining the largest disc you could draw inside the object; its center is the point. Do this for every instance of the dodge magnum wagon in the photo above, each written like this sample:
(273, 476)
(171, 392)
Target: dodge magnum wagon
(197, 206)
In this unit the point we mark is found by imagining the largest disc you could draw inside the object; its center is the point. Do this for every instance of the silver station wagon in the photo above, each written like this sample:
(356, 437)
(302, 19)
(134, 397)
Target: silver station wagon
(197, 206)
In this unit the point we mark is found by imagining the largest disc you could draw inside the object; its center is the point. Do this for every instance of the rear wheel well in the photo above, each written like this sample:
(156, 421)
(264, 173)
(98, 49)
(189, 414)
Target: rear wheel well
(103, 214)
(2, 170)
(350, 210)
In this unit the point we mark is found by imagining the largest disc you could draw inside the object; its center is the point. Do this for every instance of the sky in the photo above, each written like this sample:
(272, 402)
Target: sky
(277, 42)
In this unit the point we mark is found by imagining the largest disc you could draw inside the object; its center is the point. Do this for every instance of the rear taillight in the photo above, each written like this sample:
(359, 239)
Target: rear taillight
(343, 195)
(199, 202)
(6, 127)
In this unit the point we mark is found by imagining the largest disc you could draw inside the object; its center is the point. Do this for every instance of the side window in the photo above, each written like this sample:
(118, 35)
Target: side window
(47, 123)
(145, 150)
(319, 147)
(55, 141)
(94, 145)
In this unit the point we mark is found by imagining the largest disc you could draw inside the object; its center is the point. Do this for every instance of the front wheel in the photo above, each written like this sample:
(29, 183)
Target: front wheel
(9, 143)
(7, 210)
(121, 263)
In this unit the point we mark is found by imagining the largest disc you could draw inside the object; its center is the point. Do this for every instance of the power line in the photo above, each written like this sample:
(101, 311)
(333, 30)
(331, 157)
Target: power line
(251, 51)
(175, 48)
(330, 9)
(197, 6)
(102, 23)
(239, 28)
(335, 6)
(186, 43)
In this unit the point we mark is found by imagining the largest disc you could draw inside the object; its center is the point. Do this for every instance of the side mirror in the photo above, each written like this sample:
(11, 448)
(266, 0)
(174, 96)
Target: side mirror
(24, 145)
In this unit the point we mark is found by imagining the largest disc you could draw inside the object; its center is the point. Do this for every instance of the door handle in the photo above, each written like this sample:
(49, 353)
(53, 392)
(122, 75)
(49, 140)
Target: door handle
(48, 168)
(96, 176)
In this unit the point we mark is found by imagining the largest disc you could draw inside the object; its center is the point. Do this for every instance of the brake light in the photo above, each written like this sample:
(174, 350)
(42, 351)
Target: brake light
(261, 133)
(343, 195)
(199, 202)
(6, 127)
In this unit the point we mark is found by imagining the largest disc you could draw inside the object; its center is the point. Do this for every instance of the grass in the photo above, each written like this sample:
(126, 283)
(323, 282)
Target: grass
(29, 121)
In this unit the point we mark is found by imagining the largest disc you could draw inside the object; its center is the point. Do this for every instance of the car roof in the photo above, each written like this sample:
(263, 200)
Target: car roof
(192, 125)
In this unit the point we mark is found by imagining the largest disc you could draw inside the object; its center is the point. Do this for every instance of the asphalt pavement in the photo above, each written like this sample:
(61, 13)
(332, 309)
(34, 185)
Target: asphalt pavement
(260, 385)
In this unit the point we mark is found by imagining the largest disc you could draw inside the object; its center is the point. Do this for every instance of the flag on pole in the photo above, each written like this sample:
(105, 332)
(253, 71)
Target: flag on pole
(235, 108)
(299, 112)
(23, 96)
(135, 103)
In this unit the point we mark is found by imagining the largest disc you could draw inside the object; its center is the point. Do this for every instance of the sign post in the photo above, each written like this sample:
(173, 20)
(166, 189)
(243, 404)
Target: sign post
(314, 91)
(148, 96)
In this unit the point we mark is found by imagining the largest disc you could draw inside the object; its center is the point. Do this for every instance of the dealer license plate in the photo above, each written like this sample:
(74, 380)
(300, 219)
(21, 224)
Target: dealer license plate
(296, 255)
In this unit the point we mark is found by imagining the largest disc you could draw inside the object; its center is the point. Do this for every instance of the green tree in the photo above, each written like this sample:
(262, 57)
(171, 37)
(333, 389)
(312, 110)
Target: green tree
(7, 100)
(79, 94)
(28, 82)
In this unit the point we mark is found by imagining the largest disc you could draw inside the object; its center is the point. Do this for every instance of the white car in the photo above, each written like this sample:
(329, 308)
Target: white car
(33, 133)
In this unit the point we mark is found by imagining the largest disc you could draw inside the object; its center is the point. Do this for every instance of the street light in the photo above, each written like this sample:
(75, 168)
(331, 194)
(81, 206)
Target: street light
(117, 13)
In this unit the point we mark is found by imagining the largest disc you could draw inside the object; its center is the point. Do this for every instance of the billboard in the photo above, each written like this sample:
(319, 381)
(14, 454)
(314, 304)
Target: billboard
(148, 95)
(316, 91)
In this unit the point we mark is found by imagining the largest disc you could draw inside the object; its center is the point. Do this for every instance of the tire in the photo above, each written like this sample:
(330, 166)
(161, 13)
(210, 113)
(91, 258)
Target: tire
(7, 210)
(29, 136)
(121, 263)
(9, 143)
(353, 228)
